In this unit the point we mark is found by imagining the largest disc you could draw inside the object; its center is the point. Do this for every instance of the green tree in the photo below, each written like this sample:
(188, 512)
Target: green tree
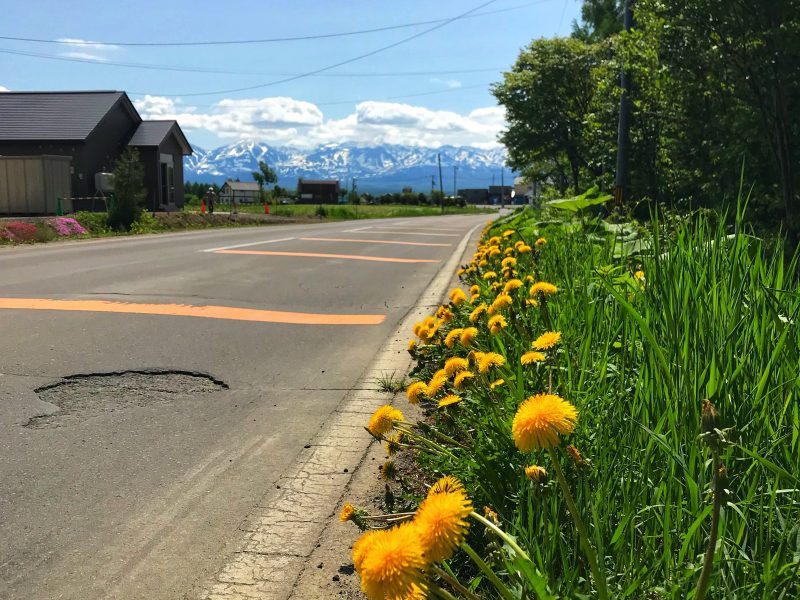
(600, 19)
(547, 97)
(129, 190)
(263, 176)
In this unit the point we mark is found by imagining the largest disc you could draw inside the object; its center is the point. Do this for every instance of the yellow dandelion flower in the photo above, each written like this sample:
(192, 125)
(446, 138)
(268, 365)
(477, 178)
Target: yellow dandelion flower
(491, 515)
(382, 421)
(547, 340)
(393, 443)
(388, 470)
(418, 327)
(524, 249)
(539, 421)
(494, 251)
(452, 336)
(639, 275)
(435, 385)
(347, 512)
(502, 302)
(508, 233)
(489, 275)
(475, 289)
(455, 364)
(509, 262)
(468, 336)
(532, 357)
(508, 251)
(511, 285)
(536, 473)
(483, 262)
(496, 286)
(446, 485)
(461, 271)
(493, 241)
(412, 345)
(474, 298)
(544, 288)
(462, 379)
(497, 323)
(449, 399)
(540, 242)
(429, 321)
(457, 296)
(487, 360)
(441, 522)
(496, 383)
(419, 591)
(363, 545)
(479, 310)
(392, 562)
(415, 391)
(532, 302)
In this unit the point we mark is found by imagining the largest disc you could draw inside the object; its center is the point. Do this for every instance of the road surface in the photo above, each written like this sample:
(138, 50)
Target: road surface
(221, 353)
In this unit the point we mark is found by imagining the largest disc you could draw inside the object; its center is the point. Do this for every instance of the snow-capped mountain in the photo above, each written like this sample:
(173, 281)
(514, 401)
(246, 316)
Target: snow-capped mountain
(385, 168)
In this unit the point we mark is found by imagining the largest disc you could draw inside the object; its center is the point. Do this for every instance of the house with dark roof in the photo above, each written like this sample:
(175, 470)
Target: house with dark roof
(92, 129)
(318, 191)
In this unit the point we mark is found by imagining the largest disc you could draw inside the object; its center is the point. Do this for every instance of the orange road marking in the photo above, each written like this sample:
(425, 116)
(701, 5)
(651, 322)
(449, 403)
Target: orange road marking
(323, 255)
(230, 313)
(323, 239)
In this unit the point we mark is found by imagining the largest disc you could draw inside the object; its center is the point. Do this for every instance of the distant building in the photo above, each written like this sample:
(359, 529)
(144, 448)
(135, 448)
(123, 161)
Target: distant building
(242, 192)
(524, 191)
(500, 194)
(87, 131)
(408, 190)
(474, 195)
(318, 191)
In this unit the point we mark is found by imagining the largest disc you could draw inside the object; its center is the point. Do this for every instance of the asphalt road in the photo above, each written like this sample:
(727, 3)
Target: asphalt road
(133, 487)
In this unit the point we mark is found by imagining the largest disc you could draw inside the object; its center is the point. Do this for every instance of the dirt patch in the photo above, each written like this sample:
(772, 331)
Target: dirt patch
(81, 397)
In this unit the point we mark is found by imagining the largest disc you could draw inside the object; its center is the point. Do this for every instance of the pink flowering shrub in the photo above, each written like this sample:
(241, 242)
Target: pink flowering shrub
(67, 226)
(19, 231)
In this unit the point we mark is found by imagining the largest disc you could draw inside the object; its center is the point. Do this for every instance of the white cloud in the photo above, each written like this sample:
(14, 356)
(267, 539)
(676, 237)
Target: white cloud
(4, 89)
(286, 121)
(85, 56)
(87, 44)
(449, 83)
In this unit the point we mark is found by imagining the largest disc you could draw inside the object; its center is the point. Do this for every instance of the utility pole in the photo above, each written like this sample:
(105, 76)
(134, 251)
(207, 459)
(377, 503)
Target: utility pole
(455, 185)
(502, 188)
(622, 179)
(441, 187)
(433, 186)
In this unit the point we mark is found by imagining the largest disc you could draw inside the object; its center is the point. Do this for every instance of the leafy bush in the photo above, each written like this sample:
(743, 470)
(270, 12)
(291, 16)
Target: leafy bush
(146, 223)
(129, 191)
(93, 222)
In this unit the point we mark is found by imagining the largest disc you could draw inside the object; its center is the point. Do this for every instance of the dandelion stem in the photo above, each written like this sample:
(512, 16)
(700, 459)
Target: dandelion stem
(708, 562)
(454, 582)
(440, 592)
(486, 570)
(588, 549)
(501, 534)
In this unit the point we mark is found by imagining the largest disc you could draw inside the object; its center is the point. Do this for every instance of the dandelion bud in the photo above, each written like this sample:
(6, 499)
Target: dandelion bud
(710, 417)
(576, 456)
(536, 473)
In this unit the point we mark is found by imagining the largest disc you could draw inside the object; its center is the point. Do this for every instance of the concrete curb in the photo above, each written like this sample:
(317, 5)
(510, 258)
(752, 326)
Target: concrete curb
(281, 534)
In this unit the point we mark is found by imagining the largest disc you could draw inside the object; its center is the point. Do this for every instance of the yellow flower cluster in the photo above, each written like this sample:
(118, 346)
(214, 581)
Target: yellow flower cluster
(393, 562)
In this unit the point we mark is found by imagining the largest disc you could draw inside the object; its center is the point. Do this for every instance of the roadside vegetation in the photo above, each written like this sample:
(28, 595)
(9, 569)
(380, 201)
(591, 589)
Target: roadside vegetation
(611, 411)
(348, 211)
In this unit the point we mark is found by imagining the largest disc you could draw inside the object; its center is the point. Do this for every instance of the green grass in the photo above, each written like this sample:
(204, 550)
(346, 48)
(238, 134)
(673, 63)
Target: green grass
(348, 211)
(717, 319)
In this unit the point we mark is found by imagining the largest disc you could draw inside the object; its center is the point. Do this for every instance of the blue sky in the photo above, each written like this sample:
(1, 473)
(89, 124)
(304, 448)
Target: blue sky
(369, 101)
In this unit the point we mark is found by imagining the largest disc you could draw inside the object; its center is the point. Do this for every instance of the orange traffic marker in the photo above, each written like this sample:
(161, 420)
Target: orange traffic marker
(203, 207)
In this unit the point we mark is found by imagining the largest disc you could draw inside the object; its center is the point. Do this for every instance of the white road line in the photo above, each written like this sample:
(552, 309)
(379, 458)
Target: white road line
(355, 230)
(410, 233)
(246, 245)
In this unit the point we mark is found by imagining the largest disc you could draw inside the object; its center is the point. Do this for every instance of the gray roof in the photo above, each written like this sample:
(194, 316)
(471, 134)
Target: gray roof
(53, 115)
(152, 133)
(242, 185)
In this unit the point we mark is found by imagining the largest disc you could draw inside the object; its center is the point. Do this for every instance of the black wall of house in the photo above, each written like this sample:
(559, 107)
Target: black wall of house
(171, 146)
(149, 158)
(104, 145)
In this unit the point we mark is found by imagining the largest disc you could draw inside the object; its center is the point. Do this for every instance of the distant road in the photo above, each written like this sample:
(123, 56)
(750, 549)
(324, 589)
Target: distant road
(243, 341)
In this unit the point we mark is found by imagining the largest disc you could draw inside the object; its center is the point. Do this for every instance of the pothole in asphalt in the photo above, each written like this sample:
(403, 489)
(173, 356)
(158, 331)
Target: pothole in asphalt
(81, 397)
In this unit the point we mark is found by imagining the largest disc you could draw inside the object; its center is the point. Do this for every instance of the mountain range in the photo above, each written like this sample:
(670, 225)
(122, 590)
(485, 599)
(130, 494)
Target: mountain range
(377, 169)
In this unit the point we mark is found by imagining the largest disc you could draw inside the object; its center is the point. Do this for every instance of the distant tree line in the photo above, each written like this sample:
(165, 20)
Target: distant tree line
(716, 88)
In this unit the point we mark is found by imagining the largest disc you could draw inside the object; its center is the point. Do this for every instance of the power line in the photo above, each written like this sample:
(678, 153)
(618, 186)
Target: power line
(278, 39)
(182, 69)
(335, 65)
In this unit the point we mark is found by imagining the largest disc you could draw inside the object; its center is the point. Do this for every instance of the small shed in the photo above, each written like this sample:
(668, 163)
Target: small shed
(318, 191)
(240, 192)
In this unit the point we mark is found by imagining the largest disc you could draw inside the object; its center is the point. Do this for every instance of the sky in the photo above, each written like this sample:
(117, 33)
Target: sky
(426, 91)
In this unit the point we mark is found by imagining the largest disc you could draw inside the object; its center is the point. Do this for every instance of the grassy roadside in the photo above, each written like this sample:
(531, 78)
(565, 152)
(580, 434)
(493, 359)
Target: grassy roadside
(620, 406)
(28, 230)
